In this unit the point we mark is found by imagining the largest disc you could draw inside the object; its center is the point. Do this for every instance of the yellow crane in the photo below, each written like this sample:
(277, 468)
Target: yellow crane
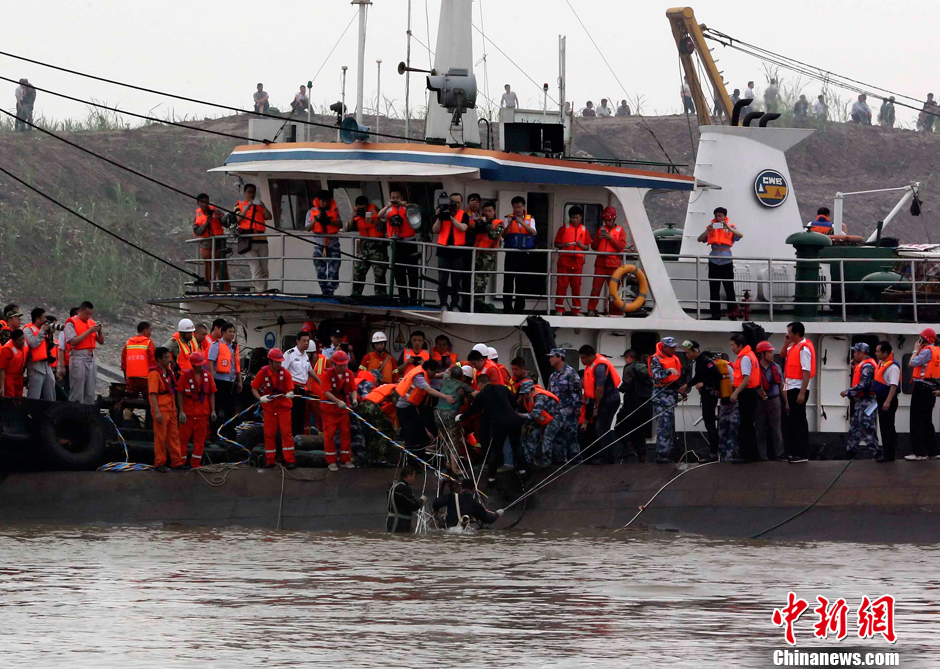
(690, 40)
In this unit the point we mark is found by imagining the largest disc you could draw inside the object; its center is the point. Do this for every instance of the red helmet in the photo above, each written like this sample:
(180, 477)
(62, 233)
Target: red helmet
(276, 355)
(609, 214)
(197, 358)
(340, 358)
(309, 327)
(763, 346)
(929, 334)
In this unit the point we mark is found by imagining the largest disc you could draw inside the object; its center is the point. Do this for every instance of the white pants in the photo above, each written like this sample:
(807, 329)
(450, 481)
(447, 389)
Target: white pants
(41, 383)
(258, 264)
(83, 379)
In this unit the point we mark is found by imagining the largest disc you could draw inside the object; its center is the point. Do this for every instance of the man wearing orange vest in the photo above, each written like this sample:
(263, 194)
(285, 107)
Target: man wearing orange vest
(225, 366)
(406, 253)
(215, 334)
(412, 390)
(208, 227)
(571, 237)
(519, 234)
(450, 230)
(414, 350)
(182, 345)
(13, 357)
(83, 335)
(38, 368)
(484, 367)
(487, 231)
(863, 424)
(274, 388)
(540, 430)
(665, 369)
(64, 353)
(736, 430)
(601, 401)
(611, 239)
(721, 235)
(822, 223)
(799, 366)
(197, 390)
(371, 249)
(380, 360)
(324, 222)
(165, 408)
(886, 386)
(252, 214)
(137, 359)
(926, 375)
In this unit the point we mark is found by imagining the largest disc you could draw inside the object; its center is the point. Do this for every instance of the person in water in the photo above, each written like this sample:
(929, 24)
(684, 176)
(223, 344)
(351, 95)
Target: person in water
(462, 505)
(402, 502)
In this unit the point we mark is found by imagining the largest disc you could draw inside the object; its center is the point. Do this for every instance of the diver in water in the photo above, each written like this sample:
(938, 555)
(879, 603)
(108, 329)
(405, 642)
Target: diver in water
(402, 502)
(462, 508)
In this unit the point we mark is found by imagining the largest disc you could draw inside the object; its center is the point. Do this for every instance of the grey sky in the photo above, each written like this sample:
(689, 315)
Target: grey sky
(219, 50)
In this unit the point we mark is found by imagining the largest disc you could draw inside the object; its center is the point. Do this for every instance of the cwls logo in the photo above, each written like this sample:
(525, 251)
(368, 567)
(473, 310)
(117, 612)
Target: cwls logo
(771, 188)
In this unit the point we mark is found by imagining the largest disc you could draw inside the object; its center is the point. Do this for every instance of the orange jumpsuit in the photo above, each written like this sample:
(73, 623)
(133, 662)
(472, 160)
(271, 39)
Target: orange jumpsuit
(166, 434)
(277, 412)
(606, 265)
(13, 362)
(570, 266)
(196, 393)
(341, 385)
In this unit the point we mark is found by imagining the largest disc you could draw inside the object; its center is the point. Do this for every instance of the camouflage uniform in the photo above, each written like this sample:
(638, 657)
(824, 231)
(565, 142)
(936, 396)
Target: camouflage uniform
(357, 437)
(484, 265)
(664, 408)
(372, 254)
(326, 260)
(863, 426)
(538, 441)
(377, 448)
(566, 386)
(729, 421)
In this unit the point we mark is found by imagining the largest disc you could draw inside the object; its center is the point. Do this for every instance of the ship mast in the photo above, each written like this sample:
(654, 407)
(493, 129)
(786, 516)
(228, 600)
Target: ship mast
(360, 80)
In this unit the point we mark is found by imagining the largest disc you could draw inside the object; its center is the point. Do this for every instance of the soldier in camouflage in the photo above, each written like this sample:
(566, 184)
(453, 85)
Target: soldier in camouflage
(372, 248)
(323, 220)
(864, 418)
(377, 448)
(565, 384)
(729, 422)
(538, 438)
(487, 229)
(357, 436)
(665, 369)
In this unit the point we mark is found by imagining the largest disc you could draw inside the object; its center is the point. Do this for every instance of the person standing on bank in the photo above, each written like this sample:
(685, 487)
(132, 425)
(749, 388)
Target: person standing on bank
(862, 427)
(721, 236)
(450, 226)
(745, 380)
(799, 366)
(402, 502)
(83, 335)
(706, 378)
(665, 369)
(886, 384)
(519, 235)
(926, 365)
(768, 419)
(38, 370)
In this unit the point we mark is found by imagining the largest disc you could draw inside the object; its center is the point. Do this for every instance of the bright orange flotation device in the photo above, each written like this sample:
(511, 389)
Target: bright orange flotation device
(613, 287)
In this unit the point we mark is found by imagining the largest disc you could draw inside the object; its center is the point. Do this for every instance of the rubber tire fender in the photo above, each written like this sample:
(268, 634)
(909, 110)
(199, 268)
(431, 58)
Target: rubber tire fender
(78, 424)
(613, 288)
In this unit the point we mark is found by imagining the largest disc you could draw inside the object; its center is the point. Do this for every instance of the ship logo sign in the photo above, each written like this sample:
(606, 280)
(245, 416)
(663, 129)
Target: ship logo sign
(771, 188)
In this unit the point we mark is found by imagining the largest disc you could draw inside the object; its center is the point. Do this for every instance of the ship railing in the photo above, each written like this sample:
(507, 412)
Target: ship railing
(295, 271)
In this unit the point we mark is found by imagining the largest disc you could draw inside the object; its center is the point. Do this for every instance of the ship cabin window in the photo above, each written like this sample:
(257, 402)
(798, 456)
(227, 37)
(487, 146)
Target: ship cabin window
(291, 200)
(346, 192)
(592, 215)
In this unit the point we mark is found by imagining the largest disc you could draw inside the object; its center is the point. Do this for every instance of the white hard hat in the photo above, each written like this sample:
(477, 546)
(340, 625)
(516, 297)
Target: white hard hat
(482, 349)
(186, 325)
(467, 371)
(491, 353)
(379, 336)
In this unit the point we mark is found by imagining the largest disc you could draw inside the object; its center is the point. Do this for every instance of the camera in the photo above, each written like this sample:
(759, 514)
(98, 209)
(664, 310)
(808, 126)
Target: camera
(443, 207)
(361, 212)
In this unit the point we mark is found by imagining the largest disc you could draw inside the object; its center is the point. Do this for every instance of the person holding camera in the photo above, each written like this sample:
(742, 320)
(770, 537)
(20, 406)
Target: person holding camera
(450, 226)
(208, 227)
(372, 250)
(83, 335)
(252, 214)
(39, 372)
(518, 234)
(323, 221)
(488, 231)
(721, 235)
(407, 254)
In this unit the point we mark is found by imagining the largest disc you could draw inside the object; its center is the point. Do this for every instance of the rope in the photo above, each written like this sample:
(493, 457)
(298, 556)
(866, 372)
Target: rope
(667, 484)
(280, 504)
(127, 465)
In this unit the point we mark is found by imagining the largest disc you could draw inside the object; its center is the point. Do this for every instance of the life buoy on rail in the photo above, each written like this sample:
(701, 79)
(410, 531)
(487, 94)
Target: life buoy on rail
(613, 287)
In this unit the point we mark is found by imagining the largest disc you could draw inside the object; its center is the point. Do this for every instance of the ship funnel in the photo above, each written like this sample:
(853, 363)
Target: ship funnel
(738, 107)
(753, 116)
(767, 118)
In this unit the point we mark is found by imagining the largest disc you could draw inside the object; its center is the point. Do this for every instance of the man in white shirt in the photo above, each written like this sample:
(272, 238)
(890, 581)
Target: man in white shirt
(749, 94)
(887, 382)
(301, 101)
(797, 374)
(861, 112)
(820, 110)
(509, 99)
(604, 111)
(746, 380)
(688, 105)
(297, 364)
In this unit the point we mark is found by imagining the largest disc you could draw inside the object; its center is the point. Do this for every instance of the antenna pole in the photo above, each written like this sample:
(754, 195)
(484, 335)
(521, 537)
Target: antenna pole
(342, 100)
(408, 76)
(561, 73)
(363, 12)
(378, 91)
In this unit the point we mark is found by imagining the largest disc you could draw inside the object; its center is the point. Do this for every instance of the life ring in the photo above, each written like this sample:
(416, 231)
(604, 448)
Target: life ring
(613, 287)
(70, 437)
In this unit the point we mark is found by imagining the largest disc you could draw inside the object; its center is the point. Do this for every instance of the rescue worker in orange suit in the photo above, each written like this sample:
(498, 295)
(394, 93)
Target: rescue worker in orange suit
(208, 227)
(450, 227)
(926, 375)
(182, 345)
(570, 238)
(274, 388)
(137, 359)
(380, 360)
(165, 408)
(601, 401)
(407, 254)
(324, 222)
(252, 214)
(197, 390)
(721, 235)
(736, 429)
(339, 389)
(518, 233)
(13, 356)
(612, 240)
(371, 249)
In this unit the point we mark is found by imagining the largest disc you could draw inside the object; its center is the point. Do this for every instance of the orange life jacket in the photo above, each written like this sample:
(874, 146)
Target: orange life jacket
(569, 234)
(857, 376)
(137, 361)
(367, 225)
(484, 241)
(332, 214)
(437, 355)
(252, 219)
(460, 236)
(223, 364)
(41, 352)
(517, 236)
(880, 387)
(215, 228)
(670, 362)
(791, 366)
(589, 381)
(18, 360)
(545, 417)
(385, 365)
(91, 341)
(380, 394)
(319, 367)
(604, 245)
(408, 391)
(737, 377)
(825, 229)
(340, 385)
(932, 369)
(720, 236)
(186, 350)
(196, 391)
(403, 231)
(408, 354)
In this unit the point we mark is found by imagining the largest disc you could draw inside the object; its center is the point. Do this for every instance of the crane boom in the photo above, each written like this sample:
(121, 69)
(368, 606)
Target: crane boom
(689, 40)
